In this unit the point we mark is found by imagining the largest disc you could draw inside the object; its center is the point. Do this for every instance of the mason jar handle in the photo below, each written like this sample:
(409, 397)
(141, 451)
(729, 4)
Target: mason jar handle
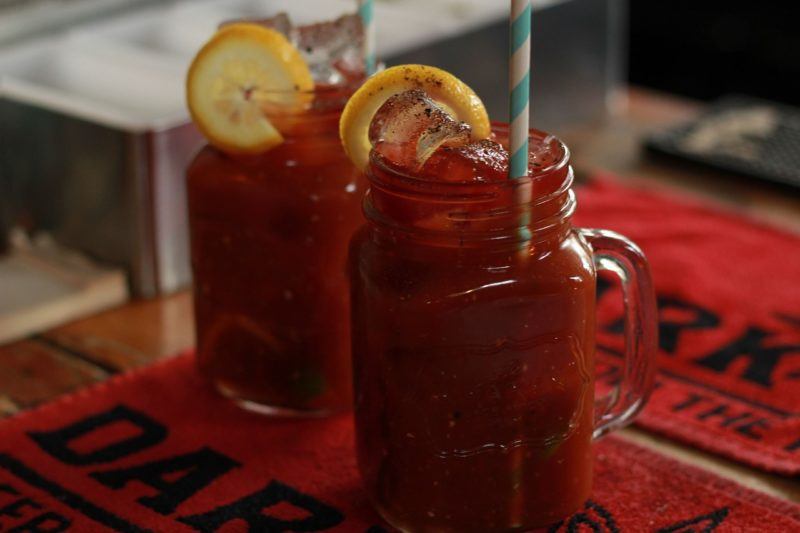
(617, 254)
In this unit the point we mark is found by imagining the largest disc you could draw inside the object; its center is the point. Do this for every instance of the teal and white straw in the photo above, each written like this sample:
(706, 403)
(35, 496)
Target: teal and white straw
(520, 85)
(366, 9)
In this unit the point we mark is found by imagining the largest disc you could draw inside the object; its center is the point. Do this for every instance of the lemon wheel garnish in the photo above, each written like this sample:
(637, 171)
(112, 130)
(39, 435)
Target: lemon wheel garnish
(452, 94)
(243, 70)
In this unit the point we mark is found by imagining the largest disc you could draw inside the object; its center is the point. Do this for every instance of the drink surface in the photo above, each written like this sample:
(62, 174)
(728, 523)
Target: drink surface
(473, 327)
(269, 244)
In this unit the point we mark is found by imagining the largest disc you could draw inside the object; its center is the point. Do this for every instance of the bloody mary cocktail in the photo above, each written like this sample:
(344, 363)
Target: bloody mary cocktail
(473, 329)
(269, 231)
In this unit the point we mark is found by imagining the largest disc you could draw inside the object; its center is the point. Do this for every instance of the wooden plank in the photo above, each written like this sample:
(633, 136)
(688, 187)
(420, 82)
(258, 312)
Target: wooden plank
(7, 407)
(44, 285)
(131, 336)
(32, 372)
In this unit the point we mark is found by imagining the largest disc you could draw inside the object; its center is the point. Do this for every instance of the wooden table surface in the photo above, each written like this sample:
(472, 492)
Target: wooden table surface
(58, 361)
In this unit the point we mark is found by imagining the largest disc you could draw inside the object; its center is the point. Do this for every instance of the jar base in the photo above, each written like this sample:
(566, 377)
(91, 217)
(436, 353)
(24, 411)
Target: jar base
(404, 527)
(271, 410)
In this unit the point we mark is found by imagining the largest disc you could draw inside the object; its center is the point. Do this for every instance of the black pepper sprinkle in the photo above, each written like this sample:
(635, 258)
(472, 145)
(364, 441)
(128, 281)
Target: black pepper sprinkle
(456, 414)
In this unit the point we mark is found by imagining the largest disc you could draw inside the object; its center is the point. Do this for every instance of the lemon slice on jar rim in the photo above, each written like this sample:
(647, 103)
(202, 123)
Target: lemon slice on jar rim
(241, 72)
(452, 94)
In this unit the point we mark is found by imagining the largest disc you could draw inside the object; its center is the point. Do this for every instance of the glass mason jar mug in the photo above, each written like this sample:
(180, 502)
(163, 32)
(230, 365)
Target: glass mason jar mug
(269, 238)
(473, 329)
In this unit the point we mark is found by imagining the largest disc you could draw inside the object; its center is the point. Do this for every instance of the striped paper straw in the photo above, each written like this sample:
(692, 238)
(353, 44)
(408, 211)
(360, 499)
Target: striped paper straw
(520, 84)
(366, 9)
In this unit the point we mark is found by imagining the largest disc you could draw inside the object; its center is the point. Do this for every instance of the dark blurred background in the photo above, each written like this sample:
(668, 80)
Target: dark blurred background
(703, 49)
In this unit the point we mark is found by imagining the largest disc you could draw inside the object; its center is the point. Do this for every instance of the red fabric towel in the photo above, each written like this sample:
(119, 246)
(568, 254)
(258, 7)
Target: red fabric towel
(729, 302)
(157, 450)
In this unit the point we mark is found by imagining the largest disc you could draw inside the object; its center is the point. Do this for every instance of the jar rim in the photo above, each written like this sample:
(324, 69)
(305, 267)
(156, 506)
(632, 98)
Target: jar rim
(500, 131)
(485, 211)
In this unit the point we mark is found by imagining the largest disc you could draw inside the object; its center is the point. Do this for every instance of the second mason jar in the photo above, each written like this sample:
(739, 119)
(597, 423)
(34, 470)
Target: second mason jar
(269, 238)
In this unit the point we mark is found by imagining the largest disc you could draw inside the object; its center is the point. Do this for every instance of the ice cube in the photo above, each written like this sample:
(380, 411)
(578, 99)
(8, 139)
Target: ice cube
(410, 127)
(333, 50)
(477, 162)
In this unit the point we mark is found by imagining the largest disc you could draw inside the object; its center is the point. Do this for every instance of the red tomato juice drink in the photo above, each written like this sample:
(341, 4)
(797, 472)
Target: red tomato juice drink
(272, 206)
(473, 329)
(269, 245)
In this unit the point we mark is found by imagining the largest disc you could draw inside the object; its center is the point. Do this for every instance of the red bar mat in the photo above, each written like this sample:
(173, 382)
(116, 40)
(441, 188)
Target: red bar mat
(157, 450)
(729, 304)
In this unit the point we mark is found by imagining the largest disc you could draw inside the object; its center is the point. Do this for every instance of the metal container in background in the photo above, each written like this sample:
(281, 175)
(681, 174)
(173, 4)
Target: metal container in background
(94, 137)
(83, 160)
(578, 63)
(137, 219)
